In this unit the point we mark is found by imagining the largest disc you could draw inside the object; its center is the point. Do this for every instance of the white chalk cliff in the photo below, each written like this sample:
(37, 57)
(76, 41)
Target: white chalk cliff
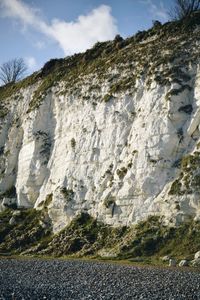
(116, 133)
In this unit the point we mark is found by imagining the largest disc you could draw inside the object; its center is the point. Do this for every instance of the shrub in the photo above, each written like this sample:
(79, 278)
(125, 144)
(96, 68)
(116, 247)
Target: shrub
(73, 143)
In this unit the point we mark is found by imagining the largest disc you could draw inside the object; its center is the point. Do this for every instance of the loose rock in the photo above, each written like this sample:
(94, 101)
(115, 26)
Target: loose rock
(16, 213)
(165, 258)
(184, 263)
(12, 221)
(196, 262)
(172, 262)
(197, 255)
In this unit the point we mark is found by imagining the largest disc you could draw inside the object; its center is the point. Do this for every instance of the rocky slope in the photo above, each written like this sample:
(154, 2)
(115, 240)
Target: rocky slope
(113, 132)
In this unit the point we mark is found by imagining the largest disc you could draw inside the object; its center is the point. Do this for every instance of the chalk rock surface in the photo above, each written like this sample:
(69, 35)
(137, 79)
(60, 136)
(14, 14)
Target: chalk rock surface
(115, 133)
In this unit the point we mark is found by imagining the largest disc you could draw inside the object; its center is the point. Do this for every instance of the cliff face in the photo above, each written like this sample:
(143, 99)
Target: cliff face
(113, 132)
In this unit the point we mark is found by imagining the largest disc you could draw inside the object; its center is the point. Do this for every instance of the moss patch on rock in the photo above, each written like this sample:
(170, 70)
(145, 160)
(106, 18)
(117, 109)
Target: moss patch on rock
(189, 179)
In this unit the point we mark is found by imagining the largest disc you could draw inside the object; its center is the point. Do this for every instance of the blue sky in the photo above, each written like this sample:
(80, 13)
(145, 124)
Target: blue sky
(38, 30)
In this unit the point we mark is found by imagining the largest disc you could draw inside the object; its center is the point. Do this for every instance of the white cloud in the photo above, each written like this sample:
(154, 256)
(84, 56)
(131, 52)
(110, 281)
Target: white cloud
(31, 63)
(157, 10)
(15, 8)
(98, 25)
(39, 45)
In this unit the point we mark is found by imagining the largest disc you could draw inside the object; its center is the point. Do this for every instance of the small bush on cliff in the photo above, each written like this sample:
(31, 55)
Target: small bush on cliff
(73, 143)
(107, 97)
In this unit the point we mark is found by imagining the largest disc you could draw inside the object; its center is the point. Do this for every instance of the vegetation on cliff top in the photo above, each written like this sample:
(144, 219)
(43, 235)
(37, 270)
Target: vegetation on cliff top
(141, 56)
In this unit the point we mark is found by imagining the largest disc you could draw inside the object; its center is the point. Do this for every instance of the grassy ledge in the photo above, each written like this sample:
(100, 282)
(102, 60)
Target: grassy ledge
(144, 244)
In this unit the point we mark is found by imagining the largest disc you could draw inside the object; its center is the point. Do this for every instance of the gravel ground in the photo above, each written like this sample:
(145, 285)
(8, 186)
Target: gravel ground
(57, 279)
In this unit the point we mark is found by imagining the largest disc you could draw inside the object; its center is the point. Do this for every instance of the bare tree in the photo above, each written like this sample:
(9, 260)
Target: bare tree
(13, 70)
(184, 8)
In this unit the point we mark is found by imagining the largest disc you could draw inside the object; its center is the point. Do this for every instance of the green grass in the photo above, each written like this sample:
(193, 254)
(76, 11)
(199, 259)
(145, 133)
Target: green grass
(144, 243)
(11, 89)
(25, 233)
(189, 177)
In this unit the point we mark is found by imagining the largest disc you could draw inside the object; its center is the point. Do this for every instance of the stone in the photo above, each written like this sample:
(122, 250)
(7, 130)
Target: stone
(183, 263)
(197, 255)
(172, 262)
(12, 221)
(7, 202)
(43, 224)
(107, 253)
(165, 258)
(196, 262)
(16, 213)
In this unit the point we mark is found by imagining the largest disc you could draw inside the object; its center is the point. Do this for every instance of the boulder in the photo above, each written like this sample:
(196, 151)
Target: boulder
(16, 213)
(183, 263)
(9, 202)
(196, 262)
(197, 255)
(12, 221)
(172, 262)
(165, 258)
